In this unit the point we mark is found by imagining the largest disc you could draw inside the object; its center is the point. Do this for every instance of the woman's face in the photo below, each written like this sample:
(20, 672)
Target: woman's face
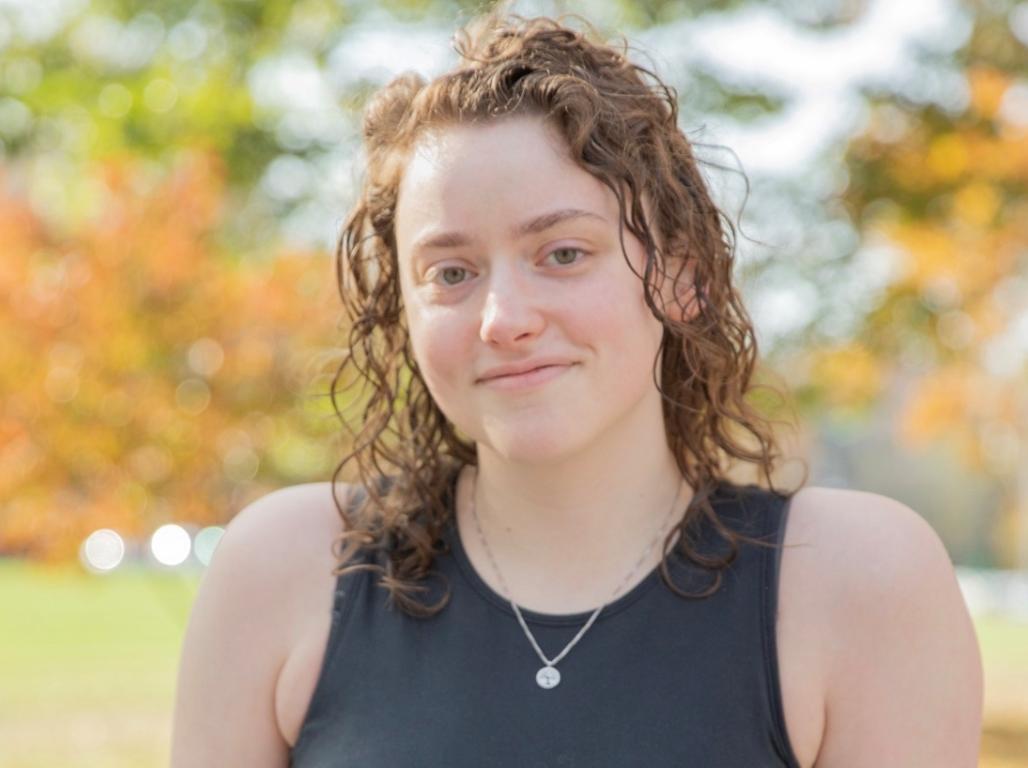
(509, 256)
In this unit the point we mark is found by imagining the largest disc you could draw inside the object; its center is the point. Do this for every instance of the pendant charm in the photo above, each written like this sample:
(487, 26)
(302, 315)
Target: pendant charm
(547, 677)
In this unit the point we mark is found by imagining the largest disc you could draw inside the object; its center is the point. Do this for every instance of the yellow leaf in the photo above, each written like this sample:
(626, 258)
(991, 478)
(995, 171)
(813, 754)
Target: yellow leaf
(988, 86)
(848, 374)
(934, 405)
(948, 156)
(976, 204)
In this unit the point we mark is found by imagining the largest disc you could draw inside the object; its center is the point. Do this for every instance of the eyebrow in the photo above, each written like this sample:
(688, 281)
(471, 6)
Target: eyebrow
(531, 227)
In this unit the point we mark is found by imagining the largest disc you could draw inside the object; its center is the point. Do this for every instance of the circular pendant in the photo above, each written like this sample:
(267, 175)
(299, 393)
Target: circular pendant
(547, 677)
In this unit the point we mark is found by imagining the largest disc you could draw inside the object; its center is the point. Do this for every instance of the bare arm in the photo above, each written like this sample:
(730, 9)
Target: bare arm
(905, 682)
(233, 647)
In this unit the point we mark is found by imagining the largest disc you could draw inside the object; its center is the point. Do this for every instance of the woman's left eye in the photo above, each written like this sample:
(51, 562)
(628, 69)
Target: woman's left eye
(566, 256)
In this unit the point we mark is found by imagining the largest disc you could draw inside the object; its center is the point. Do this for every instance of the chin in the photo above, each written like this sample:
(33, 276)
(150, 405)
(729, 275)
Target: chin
(540, 446)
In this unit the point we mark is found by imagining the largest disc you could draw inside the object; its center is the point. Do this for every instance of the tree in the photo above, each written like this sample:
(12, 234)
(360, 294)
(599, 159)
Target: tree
(942, 191)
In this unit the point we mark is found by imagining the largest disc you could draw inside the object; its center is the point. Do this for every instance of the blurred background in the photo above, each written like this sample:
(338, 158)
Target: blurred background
(173, 176)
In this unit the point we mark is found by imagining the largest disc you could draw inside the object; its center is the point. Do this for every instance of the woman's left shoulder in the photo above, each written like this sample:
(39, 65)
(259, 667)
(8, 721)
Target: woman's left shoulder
(903, 678)
(867, 537)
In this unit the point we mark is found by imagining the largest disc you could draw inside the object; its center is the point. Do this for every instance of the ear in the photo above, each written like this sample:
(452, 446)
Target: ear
(678, 290)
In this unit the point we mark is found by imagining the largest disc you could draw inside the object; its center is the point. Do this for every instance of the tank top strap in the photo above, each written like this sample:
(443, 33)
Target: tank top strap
(359, 581)
(761, 514)
(349, 583)
(775, 518)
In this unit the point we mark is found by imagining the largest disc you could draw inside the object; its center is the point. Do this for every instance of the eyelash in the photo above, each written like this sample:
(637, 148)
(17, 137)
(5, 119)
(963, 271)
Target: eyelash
(555, 250)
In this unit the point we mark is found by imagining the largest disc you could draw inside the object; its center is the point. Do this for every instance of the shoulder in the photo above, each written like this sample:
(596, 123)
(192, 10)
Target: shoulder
(865, 540)
(902, 674)
(292, 512)
(286, 509)
(282, 541)
(872, 559)
(275, 555)
(269, 575)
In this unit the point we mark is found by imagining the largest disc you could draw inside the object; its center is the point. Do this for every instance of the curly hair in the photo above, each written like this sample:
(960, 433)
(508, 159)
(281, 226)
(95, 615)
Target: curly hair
(621, 125)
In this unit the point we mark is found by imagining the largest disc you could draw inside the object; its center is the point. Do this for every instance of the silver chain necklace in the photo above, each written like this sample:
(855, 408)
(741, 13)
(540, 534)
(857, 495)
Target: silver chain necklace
(548, 676)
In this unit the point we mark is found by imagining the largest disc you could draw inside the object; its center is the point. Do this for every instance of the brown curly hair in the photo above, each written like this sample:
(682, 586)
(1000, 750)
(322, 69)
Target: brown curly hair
(621, 125)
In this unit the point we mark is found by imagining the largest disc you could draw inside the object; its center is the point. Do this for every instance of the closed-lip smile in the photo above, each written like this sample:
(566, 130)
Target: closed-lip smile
(514, 369)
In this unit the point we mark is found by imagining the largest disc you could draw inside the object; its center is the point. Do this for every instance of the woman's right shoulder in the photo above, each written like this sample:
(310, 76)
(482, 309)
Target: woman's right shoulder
(279, 536)
(283, 541)
(267, 589)
(298, 525)
(301, 513)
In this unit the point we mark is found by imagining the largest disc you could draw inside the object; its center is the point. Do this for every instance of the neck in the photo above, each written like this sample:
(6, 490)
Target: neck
(565, 535)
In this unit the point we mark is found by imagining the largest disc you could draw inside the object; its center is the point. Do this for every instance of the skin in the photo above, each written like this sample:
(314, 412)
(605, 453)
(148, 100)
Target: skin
(575, 476)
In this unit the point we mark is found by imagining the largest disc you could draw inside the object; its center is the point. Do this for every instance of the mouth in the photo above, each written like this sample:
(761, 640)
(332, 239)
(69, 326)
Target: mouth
(522, 373)
(527, 379)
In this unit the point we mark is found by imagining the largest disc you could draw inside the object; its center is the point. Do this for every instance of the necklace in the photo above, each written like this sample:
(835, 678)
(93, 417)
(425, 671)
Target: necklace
(548, 676)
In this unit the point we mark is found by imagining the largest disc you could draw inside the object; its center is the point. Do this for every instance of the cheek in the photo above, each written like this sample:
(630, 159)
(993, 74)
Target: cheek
(614, 312)
(437, 343)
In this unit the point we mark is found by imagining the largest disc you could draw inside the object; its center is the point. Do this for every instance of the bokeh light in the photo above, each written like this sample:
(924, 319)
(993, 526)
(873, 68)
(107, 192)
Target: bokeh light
(102, 551)
(205, 542)
(170, 544)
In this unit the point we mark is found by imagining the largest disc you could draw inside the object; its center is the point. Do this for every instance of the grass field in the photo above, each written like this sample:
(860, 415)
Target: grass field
(87, 670)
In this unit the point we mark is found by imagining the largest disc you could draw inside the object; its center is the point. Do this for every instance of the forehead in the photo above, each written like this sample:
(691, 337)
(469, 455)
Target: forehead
(472, 176)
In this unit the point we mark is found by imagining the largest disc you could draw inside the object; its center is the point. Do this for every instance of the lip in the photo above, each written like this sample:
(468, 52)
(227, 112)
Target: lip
(528, 379)
(524, 366)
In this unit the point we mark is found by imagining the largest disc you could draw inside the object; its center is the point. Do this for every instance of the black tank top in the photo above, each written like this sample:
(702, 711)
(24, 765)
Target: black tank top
(658, 680)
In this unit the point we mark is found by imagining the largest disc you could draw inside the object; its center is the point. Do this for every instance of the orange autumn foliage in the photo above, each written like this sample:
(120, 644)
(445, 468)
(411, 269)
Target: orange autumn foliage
(146, 371)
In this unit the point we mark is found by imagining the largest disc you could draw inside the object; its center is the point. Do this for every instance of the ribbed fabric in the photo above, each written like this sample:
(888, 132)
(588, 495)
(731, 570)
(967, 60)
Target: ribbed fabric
(658, 680)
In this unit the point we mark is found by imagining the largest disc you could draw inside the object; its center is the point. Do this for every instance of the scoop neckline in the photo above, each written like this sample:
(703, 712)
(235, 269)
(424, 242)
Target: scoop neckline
(469, 572)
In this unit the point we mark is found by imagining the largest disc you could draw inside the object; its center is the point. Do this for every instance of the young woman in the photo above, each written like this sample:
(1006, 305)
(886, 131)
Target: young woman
(543, 561)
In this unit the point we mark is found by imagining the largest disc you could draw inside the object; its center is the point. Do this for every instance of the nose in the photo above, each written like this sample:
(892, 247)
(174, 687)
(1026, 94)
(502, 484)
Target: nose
(512, 311)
